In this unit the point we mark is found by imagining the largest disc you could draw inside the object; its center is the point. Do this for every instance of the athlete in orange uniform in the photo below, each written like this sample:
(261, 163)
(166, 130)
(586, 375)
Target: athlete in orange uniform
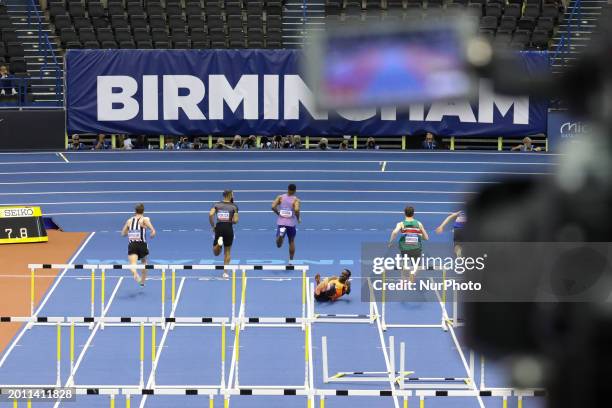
(331, 289)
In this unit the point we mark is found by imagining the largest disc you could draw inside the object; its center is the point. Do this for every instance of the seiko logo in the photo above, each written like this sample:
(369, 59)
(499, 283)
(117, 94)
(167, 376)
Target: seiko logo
(18, 212)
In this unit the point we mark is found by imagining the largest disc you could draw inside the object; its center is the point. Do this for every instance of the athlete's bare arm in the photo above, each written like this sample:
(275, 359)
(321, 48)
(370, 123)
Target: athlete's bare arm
(126, 226)
(275, 205)
(146, 221)
(425, 234)
(296, 209)
(451, 217)
(235, 218)
(211, 217)
(396, 231)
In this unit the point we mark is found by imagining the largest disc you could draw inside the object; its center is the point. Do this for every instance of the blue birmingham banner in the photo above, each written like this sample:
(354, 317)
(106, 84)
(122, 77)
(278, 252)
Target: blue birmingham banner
(197, 92)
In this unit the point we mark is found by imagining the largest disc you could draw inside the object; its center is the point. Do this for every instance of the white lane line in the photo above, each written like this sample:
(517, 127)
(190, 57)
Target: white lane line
(70, 380)
(140, 192)
(237, 201)
(45, 299)
(383, 167)
(63, 158)
(225, 181)
(151, 380)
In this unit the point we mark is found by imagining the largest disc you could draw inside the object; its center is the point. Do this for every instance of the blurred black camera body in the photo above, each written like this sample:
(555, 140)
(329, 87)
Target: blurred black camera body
(570, 340)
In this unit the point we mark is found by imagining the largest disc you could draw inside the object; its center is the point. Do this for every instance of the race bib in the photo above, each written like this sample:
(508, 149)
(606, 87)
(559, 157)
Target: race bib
(223, 215)
(411, 239)
(134, 235)
(286, 213)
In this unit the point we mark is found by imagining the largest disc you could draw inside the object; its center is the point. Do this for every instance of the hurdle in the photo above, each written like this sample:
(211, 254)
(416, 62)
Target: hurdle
(365, 376)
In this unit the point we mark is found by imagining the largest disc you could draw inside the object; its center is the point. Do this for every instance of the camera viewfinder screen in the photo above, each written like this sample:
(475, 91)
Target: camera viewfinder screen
(396, 67)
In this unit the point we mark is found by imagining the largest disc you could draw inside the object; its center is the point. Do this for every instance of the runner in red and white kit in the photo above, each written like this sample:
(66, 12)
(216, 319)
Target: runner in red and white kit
(287, 208)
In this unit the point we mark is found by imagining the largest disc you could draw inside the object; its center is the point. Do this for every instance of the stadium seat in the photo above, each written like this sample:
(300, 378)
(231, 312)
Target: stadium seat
(373, 5)
(9, 35)
(105, 34)
(520, 39)
(144, 45)
(18, 65)
(550, 10)
(130, 45)
(513, 10)
(141, 35)
(503, 37)
(108, 45)
(540, 39)
(99, 22)
(56, 9)
(62, 21)
(233, 8)
(68, 35)
(91, 45)
(508, 23)
(138, 21)
(115, 8)
(76, 10)
(119, 21)
(545, 23)
(526, 23)
(157, 21)
(493, 9)
(95, 9)
(488, 23)
(87, 34)
(196, 22)
(135, 8)
(176, 21)
(179, 36)
(531, 11)
(123, 35)
(174, 9)
(475, 8)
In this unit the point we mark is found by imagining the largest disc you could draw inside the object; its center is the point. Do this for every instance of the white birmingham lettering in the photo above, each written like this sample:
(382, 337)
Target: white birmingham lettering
(245, 92)
(117, 101)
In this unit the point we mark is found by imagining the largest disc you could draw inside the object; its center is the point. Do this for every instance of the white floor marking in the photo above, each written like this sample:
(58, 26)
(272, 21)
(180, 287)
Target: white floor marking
(225, 181)
(140, 192)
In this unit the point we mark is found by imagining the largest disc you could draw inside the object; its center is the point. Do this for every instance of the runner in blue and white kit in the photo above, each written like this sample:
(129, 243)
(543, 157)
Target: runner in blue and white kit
(459, 218)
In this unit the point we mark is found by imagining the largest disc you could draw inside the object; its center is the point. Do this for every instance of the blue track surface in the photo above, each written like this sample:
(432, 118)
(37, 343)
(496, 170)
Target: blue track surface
(347, 199)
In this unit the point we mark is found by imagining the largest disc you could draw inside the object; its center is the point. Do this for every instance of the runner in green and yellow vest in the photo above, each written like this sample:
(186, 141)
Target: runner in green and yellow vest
(412, 233)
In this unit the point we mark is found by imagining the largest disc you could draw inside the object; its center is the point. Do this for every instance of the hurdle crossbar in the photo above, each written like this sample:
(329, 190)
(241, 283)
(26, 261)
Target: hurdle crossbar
(175, 267)
(279, 391)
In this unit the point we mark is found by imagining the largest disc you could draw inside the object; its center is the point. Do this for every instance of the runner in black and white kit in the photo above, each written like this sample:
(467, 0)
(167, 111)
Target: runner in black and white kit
(226, 214)
(136, 230)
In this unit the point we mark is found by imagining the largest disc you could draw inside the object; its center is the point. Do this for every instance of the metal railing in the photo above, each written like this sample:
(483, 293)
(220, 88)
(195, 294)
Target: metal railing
(564, 45)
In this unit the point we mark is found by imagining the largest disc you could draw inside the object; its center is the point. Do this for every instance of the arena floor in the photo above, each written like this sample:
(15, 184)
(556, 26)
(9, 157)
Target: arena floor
(347, 198)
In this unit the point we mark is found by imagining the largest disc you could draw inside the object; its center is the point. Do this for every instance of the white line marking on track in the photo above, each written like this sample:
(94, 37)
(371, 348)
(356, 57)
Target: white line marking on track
(244, 211)
(45, 299)
(225, 181)
(63, 157)
(140, 192)
(183, 171)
